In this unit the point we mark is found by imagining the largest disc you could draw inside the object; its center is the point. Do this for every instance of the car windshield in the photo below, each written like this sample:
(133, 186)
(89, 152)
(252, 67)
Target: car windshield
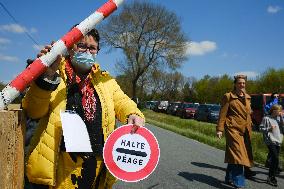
(190, 105)
(215, 108)
(164, 103)
(176, 104)
(151, 102)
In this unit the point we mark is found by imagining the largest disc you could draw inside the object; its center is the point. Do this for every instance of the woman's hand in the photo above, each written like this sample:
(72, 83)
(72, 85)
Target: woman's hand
(136, 121)
(51, 70)
(219, 134)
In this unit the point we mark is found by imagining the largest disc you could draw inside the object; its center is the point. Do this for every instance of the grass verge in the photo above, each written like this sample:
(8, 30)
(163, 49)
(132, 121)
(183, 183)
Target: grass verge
(203, 132)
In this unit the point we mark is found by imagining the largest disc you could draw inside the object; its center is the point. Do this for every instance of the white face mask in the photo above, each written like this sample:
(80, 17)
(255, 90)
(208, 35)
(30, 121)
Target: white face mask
(83, 61)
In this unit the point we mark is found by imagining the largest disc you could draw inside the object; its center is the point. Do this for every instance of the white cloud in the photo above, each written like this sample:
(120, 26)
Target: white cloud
(249, 74)
(200, 48)
(16, 28)
(38, 47)
(273, 9)
(8, 58)
(4, 41)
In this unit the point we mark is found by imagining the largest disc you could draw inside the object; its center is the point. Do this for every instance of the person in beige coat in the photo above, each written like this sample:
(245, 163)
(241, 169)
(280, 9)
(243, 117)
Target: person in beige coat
(235, 121)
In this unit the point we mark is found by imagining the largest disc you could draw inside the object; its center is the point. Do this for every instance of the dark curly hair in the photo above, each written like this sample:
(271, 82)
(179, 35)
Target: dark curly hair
(94, 33)
(273, 95)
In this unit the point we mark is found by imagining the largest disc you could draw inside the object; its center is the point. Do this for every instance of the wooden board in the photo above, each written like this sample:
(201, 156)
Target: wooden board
(12, 132)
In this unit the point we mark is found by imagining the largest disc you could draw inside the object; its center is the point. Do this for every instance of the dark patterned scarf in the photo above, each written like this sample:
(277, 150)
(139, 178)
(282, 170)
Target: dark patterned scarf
(83, 99)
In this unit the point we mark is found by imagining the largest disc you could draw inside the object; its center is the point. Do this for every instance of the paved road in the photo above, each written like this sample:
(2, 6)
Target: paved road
(186, 163)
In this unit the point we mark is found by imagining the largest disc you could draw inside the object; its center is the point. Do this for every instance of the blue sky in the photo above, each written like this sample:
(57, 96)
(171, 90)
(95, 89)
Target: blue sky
(226, 36)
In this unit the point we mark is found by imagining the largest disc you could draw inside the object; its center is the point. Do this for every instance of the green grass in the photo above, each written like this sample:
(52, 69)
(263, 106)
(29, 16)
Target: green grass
(203, 132)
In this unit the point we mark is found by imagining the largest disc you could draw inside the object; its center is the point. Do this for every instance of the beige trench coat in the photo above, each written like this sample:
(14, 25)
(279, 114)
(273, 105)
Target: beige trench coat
(235, 119)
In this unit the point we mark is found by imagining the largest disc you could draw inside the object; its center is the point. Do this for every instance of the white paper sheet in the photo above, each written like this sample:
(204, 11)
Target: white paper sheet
(75, 133)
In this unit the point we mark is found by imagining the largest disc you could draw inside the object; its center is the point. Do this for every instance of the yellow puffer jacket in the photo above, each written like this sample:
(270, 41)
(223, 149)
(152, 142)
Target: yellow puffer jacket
(42, 160)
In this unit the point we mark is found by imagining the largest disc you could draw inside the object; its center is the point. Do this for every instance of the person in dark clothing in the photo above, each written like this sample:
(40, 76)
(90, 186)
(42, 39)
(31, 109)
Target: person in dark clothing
(273, 100)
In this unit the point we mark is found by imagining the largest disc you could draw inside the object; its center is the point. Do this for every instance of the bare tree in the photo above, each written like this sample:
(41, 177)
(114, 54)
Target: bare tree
(166, 86)
(149, 36)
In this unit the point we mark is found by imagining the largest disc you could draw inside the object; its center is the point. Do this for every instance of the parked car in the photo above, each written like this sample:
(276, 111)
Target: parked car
(151, 104)
(207, 112)
(172, 108)
(187, 110)
(161, 106)
(258, 102)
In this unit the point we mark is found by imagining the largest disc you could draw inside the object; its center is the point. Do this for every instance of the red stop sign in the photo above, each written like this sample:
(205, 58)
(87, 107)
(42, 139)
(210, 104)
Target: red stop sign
(131, 157)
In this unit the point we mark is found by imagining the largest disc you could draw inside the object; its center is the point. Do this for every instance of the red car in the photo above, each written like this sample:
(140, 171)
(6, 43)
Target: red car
(187, 110)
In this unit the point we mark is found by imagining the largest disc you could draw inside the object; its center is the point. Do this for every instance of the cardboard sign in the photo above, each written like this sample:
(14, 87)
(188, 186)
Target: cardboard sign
(131, 157)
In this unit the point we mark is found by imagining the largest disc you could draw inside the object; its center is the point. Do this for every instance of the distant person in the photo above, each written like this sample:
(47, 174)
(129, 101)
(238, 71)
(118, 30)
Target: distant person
(235, 120)
(274, 99)
(272, 127)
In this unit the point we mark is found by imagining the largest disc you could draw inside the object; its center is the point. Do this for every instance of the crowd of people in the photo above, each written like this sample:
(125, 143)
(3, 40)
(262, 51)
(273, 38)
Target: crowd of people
(236, 124)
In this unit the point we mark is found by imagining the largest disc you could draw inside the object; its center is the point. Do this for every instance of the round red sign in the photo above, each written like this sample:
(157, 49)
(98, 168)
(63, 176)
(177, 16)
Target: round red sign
(131, 157)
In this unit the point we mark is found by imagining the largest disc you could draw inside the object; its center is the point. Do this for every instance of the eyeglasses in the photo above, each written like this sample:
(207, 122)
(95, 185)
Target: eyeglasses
(83, 48)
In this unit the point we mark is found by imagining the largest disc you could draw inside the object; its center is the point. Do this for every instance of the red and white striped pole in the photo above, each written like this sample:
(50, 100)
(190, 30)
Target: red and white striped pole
(39, 66)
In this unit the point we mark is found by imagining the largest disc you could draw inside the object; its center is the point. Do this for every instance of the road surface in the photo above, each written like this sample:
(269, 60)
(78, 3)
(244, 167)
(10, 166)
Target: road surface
(186, 163)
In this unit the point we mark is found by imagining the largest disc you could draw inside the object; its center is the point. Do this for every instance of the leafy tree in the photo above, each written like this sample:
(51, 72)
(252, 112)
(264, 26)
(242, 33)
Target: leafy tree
(201, 88)
(211, 89)
(252, 87)
(222, 86)
(173, 86)
(149, 36)
(124, 83)
(188, 93)
(271, 80)
(165, 86)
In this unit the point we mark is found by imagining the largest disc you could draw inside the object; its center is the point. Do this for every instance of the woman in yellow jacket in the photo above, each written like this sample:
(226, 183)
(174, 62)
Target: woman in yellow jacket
(75, 83)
